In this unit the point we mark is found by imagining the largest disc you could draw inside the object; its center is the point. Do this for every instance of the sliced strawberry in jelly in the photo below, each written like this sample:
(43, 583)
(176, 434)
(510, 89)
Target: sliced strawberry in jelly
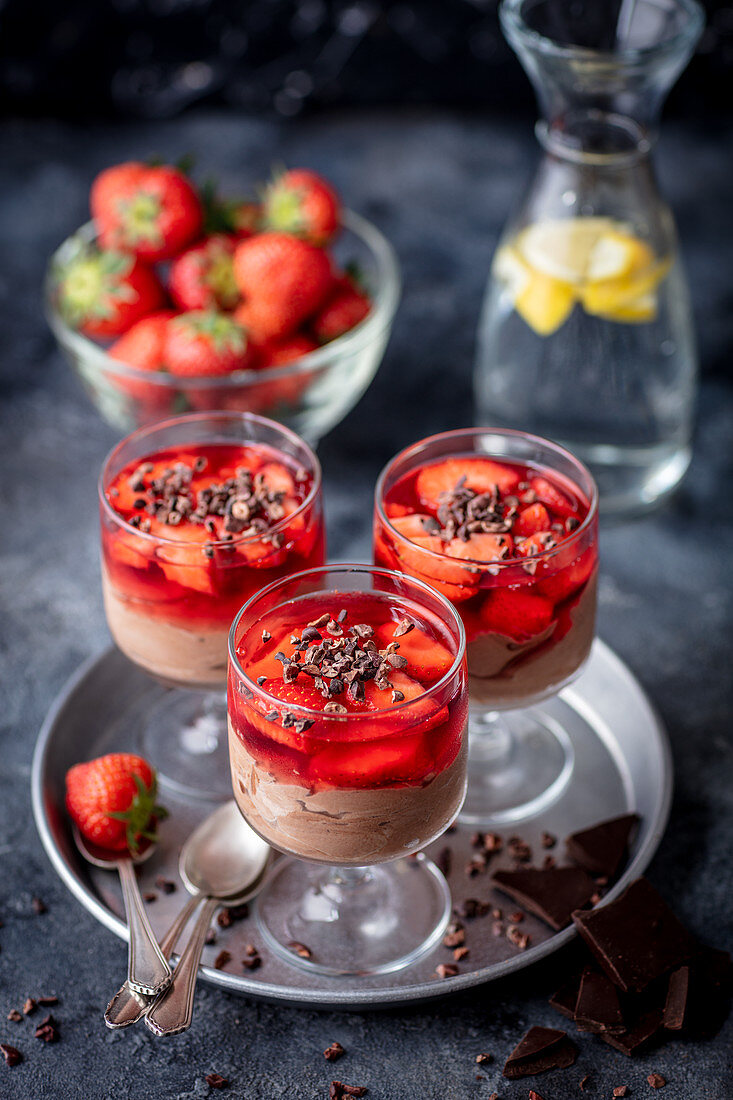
(538, 543)
(428, 659)
(278, 478)
(434, 566)
(554, 499)
(481, 548)
(374, 764)
(516, 613)
(531, 520)
(394, 511)
(186, 563)
(131, 550)
(568, 580)
(480, 474)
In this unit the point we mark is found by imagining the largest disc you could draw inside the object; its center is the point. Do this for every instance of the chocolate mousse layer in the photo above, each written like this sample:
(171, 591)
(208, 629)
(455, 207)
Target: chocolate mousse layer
(504, 673)
(180, 657)
(345, 825)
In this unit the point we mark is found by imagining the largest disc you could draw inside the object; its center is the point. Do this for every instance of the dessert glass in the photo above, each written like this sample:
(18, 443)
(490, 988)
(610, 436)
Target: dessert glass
(171, 589)
(528, 604)
(347, 734)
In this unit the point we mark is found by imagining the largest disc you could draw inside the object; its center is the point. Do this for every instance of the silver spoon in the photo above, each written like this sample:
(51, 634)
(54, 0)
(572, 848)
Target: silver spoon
(223, 861)
(147, 968)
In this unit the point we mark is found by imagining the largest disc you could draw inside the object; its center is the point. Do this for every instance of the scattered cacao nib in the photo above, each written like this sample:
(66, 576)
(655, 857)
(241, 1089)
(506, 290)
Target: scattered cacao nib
(216, 1081)
(11, 1054)
(48, 999)
(29, 1006)
(636, 938)
(150, 896)
(603, 848)
(621, 1091)
(462, 512)
(476, 866)
(444, 860)
(519, 850)
(521, 940)
(47, 1030)
(534, 1095)
(455, 935)
(338, 1090)
(552, 895)
(165, 885)
(471, 907)
(266, 636)
(446, 970)
(493, 843)
(656, 1081)
(210, 937)
(548, 863)
(541, 1049)
(252, 962)
(484, 1059)
(14, 1016)
(333, 1052)
(39, 906)
(494, 1096)
(497, 928)
(516, 918)
(460, 953)
(300, 949)
(222, 959)
(496, 914)
(548, 840)
(227, 917)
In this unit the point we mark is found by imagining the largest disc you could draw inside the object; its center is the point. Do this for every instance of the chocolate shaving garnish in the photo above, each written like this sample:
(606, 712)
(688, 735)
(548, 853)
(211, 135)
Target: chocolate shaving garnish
(216, 1081)
(11, 1054)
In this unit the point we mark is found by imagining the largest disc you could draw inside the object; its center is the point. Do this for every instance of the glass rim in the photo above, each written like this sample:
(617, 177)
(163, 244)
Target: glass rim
(350, 567)
(511, 433)
(515, 27)
(384, 303)
(221, 414)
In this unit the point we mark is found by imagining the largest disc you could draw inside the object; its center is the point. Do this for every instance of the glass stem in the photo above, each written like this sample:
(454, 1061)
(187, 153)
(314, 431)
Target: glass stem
(491, 740)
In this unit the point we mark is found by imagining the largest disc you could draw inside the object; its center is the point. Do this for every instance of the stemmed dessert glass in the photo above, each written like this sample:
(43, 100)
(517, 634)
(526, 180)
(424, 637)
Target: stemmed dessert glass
(528, 605)
(198, 512)
(347, 719)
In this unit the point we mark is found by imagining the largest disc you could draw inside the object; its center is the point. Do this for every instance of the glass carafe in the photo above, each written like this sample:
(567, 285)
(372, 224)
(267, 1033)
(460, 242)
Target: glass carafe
(586, 333)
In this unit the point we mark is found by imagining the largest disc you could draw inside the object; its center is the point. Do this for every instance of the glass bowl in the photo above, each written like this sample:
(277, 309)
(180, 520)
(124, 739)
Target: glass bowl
(310, 395)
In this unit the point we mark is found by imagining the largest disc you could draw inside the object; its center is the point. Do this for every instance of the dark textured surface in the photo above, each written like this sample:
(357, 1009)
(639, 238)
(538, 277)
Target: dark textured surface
(440, 187)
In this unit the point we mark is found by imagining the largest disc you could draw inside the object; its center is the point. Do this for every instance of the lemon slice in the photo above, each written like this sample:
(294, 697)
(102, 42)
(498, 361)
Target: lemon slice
(610, 295)
(545, 303)
(615, 255)
(511, 270)
(637, 311)
(562, 247)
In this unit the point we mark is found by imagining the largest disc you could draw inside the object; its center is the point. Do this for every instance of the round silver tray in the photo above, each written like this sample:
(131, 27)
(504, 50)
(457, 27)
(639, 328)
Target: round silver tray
(622, 763)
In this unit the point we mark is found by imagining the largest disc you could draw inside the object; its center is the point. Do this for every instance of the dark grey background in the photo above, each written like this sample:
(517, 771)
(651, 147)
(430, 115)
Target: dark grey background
(440, 186)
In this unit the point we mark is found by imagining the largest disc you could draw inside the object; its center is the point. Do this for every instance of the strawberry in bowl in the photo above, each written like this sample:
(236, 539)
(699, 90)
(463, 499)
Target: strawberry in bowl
(281, 269)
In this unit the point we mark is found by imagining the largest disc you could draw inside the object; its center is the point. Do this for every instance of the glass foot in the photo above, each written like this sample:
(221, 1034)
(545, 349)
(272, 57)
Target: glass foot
(184, 737)
(354, 920)
(519, 763)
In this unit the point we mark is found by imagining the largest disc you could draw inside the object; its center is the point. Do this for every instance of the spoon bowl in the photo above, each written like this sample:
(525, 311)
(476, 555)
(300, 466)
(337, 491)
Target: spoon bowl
(223, 857)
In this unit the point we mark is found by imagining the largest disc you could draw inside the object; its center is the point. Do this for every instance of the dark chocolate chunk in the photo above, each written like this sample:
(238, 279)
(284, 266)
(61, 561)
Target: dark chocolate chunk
(603, 848)
(541, 1049)
(636, 938)
(698, 994)
(637, 1035)
(675, 1006)
(597, 1007)
(552, 894)
(566, 998)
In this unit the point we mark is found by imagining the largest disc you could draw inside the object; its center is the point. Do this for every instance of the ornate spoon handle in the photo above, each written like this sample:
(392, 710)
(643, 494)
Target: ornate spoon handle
(127, 1006)
(173, 1010)
(147, 968)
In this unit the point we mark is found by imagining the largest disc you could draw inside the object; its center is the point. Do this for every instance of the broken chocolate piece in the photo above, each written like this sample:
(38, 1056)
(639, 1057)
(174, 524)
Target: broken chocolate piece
(11, 1055)
(678, 992)
(603, 849)
(597, 1008)
(552, 894)
(636, 938)
(566, 998)
(541, 1049)
(635, 1036)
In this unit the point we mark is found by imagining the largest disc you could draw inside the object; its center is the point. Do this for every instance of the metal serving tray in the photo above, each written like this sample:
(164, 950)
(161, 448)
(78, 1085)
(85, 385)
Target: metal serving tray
(622, 763)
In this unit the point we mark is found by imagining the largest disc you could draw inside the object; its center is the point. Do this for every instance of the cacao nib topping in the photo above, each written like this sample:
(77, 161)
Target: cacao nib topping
(338, 664)
(245, 502)
(462, 512)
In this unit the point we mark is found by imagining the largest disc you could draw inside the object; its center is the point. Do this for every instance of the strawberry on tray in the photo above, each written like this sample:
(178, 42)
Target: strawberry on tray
(113, 801)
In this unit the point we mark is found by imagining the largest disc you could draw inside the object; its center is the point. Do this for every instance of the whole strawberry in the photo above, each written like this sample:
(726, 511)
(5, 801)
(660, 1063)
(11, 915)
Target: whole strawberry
(301, 202)
(112, 801)
(202, 277)
(283, 281)
(143, 347)
(103, 293)
(205, 343)
(345, 307)
(151, 211)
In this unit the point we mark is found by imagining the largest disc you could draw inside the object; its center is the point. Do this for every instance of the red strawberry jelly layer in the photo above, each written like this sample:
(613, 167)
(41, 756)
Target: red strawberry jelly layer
(198, 574)
(493, 575)
(375, 742)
